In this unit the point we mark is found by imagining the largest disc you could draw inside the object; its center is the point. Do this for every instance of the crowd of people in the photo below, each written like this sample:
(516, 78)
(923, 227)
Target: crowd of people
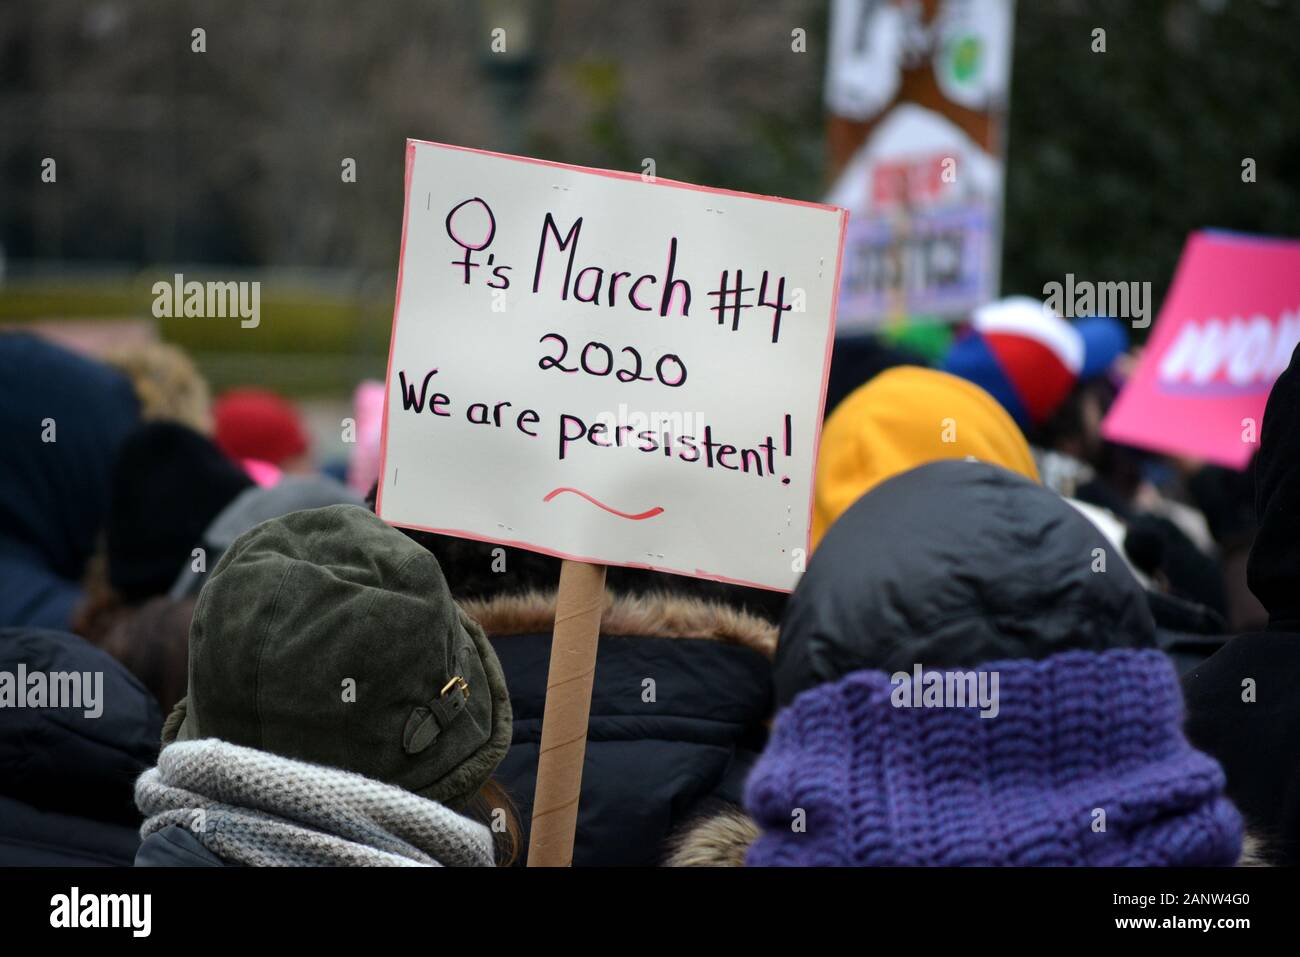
(288, 680)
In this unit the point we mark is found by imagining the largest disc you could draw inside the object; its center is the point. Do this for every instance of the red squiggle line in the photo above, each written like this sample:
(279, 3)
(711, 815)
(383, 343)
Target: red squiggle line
(648, 513)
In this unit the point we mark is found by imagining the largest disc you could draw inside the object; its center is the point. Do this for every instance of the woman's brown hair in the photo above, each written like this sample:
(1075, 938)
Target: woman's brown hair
(507, 835)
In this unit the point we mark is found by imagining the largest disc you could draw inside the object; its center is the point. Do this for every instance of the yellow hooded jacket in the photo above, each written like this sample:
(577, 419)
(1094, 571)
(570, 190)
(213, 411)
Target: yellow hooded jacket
(903, 418)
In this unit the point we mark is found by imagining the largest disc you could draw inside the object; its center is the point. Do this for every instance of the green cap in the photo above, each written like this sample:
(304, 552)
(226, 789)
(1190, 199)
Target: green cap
(327, 636)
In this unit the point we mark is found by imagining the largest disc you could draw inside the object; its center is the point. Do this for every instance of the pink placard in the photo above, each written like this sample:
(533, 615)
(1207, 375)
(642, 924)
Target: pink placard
(1225, 333)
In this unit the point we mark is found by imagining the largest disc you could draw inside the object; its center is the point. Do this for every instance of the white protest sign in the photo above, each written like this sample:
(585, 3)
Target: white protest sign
(608, 368)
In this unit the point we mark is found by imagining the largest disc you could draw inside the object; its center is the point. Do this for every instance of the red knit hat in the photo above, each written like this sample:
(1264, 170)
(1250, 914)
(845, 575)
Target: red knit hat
(258, 424)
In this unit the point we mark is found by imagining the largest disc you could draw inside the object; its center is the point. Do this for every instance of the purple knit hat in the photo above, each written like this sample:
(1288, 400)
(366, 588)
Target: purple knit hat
(1075, 733)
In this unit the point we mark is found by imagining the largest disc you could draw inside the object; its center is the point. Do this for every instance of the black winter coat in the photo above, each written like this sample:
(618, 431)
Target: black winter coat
(1187, 632)
(657, 754)
(67, 780)
(1258, 741)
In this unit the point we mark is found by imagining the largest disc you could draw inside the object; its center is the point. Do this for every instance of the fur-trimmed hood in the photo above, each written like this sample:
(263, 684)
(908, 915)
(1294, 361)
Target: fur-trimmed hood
(652, 615)
(679, 712)
(716, 840)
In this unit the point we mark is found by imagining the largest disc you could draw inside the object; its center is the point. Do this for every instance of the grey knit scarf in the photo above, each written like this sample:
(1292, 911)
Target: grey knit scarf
(259, 809)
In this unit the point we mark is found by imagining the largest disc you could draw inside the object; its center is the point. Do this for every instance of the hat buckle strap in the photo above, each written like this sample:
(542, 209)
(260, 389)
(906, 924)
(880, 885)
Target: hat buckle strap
(427, 722)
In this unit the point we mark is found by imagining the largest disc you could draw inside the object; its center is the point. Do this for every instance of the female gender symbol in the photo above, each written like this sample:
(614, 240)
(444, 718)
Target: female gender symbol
(470, 248)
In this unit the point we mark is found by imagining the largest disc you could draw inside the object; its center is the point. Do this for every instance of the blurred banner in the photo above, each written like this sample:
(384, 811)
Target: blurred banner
(1225, 333)
(917, 96)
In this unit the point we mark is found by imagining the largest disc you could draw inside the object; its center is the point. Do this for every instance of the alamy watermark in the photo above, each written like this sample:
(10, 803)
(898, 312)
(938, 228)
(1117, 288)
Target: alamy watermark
(53, 689)
(1119, 300)
(654, 423)
(946, 689)
(75, 909)
(208, 300)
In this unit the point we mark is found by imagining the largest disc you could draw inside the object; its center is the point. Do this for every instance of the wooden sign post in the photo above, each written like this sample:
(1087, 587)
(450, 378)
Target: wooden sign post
(564, 721)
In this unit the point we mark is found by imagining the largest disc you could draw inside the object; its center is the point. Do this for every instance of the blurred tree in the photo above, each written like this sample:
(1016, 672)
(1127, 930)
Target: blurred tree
(234, 155)
(1115, 157)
